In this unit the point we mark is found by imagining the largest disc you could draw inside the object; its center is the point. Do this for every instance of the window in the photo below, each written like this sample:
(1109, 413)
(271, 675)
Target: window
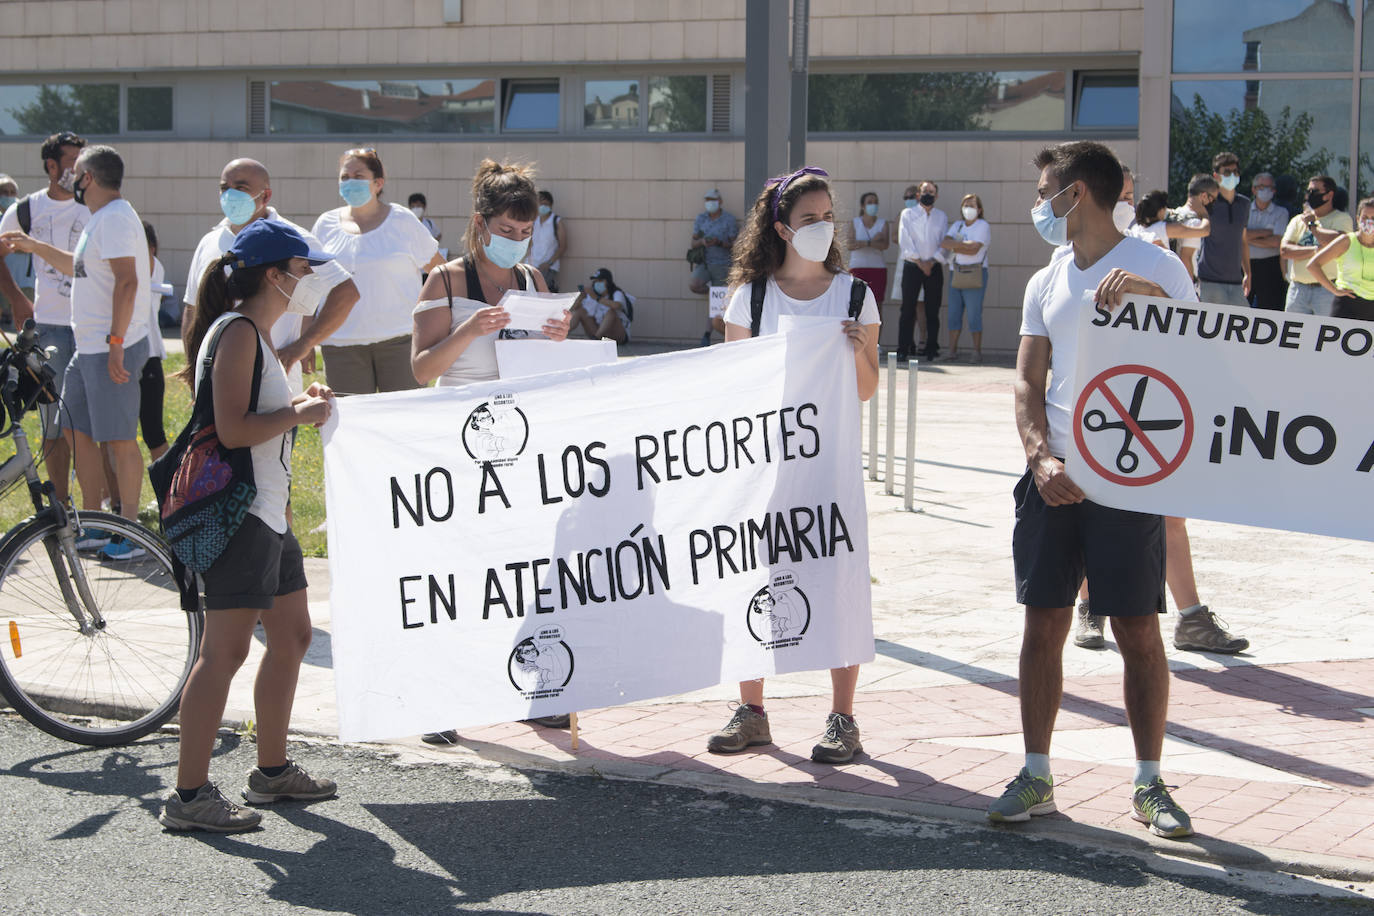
(1031, 101)
(1106, 101)
(530, 105)
(86, 108)
(611, 105)
(676, 104)
(149, 108)
(372, 107)
(1273, 36)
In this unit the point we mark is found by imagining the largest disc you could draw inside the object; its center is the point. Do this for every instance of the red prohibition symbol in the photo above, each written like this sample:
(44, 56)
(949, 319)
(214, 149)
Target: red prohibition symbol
(1133, 429)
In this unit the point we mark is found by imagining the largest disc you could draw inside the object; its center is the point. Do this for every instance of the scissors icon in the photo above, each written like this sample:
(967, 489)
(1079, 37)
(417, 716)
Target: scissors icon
(1095, 421)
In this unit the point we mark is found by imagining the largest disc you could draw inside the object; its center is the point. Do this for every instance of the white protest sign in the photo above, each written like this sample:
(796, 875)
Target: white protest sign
(587, 538)
(718, 301)
(529, 311)
(532, 356)
(1230, 414)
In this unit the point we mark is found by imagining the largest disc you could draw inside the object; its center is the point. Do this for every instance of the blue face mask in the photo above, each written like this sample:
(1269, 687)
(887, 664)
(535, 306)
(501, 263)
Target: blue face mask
(504, 252)
(910, 202)
(1053, 229)
(600, 287)
(712, 206)
(356, 192)
(6, 202)
(545, 209)
(1229, 182)
(871, 209)
(238, 206)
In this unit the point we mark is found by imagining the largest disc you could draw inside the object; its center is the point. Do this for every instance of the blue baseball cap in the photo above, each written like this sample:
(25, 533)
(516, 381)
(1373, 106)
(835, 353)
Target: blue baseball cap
(267, 242)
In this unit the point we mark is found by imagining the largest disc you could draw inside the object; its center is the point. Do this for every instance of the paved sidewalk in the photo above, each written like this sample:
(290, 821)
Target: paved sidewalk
(1272, 751)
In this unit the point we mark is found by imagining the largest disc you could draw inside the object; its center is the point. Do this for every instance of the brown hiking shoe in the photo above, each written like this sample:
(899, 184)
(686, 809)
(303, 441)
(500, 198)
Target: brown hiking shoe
(746, 728)
(1203, 631)
(840, 742)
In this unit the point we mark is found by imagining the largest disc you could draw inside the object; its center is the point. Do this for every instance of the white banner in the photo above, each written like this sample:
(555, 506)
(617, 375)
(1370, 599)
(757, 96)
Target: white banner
(598, 536)
(1230, 414)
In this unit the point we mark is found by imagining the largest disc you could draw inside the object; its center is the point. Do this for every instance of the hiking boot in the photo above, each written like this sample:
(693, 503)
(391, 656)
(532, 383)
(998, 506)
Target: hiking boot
(561, 721)
(209, 810)
(1025, 795)
(840, 742)
(1153, 805)
(293, 784)
(746, 728)
(1203, 631)
(447, 736)
(1089, 632)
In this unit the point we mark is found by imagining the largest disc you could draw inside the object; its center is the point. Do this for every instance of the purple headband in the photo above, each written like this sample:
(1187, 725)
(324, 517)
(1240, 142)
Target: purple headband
(780, 184)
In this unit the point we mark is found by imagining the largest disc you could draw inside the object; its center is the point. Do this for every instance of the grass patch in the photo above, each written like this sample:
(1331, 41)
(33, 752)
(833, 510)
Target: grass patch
(307, 481)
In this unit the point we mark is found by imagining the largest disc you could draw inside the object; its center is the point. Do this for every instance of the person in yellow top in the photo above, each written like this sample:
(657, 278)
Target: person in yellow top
(1353, 253)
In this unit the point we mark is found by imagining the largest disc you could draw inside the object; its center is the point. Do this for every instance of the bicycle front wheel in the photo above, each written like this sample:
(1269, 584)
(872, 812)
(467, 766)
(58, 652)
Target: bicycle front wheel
(121, 676)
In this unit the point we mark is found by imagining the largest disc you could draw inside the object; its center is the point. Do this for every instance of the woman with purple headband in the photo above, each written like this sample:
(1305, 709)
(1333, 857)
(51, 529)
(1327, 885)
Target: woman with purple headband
(788, 250)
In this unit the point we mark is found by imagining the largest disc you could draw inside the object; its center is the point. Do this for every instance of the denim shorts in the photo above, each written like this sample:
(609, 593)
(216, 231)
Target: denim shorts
(60, 338)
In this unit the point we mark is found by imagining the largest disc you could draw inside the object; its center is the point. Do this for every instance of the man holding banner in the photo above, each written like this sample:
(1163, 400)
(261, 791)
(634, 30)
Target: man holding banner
(1060, 536)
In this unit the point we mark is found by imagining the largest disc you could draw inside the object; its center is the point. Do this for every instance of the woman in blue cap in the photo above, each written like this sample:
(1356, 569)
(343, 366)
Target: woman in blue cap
(260, 575)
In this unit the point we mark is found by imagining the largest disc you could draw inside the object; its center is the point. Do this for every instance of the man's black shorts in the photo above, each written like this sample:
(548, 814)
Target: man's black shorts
(1054, 547)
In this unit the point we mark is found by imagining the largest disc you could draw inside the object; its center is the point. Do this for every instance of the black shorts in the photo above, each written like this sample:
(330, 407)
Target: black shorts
(1054, 547)
(256, 568)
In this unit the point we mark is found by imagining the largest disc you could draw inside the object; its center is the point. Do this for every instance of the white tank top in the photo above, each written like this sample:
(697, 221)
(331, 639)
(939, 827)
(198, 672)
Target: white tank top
(478, 362)
(867, 257)
(544, 241)
(271, 459)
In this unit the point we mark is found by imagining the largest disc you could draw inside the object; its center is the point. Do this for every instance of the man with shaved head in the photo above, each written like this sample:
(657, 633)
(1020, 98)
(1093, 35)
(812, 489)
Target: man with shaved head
(245, 193)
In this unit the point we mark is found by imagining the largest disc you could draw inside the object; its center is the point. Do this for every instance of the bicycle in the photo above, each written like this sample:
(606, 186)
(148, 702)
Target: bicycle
(93, 650)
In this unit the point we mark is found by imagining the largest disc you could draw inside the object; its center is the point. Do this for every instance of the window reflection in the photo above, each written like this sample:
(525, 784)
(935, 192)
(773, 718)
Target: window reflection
(531, 105)
(86, 108)
(611, 105)
(967, 101)
(1266, 36)
(382, 106)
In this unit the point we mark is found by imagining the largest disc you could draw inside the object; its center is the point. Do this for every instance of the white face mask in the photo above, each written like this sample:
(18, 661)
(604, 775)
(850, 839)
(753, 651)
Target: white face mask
(306, 297)
(418, 211)
(970, 213)
(813, 242)
(1123, 214)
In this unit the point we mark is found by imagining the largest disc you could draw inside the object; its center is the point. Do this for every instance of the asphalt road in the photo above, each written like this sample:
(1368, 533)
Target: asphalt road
(78, 835)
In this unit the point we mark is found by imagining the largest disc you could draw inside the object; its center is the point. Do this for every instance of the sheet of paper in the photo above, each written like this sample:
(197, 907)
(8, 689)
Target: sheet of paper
(718, 301)
(520, 358)
(529, 311)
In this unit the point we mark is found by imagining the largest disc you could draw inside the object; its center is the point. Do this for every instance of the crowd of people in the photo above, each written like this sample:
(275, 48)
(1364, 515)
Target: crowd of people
(369, 286)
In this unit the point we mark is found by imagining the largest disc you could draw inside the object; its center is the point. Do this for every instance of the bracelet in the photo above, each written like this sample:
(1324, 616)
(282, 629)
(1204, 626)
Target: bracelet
(114, 339)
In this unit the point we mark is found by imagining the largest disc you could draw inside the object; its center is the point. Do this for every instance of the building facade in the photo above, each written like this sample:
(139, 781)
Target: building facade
(631, 109)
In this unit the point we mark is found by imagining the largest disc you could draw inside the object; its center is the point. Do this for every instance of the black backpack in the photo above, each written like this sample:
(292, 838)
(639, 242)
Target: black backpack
(25, 214)
(857, 290)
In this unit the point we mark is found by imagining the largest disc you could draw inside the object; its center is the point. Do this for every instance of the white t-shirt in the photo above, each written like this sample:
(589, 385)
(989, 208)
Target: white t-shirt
(867, 258)
(59, 223)
(113, 231)
(156, 348)
(1060, 291)
(597, 311)
(271, 459)
(385, 263)
(544, 241)
(1156, 232)
(833, 303)
(980, 231)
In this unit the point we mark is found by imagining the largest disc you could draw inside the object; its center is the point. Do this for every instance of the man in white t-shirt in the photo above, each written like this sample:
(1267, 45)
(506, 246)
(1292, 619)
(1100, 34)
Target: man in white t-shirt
(245, 190)
(50, 215)
(110, 288)
(1060, 536)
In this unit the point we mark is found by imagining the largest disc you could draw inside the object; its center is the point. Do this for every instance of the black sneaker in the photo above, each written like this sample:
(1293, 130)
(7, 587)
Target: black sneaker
(447, 736)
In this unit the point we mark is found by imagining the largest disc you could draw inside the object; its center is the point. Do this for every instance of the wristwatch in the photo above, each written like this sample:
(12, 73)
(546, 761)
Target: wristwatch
(114, 339)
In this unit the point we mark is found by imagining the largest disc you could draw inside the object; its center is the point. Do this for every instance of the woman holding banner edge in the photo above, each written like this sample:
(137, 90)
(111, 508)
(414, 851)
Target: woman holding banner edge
(454, 338)
(788, 249)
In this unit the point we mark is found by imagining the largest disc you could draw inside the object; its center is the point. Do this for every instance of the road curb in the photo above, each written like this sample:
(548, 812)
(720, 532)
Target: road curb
(1200, 848)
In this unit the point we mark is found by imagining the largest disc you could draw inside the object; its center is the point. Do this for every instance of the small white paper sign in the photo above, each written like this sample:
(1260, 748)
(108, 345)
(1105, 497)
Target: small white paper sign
(520, 358)
(718, 301)
(529, 311)
(162, 289)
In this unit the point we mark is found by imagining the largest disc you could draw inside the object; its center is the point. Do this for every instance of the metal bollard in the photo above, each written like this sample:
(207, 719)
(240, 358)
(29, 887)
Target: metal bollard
(908, 494)
(873, 436)
(891, 421)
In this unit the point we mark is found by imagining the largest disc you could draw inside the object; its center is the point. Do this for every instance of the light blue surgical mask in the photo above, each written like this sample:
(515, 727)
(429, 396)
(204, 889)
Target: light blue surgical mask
(600, 287)
(356, 192)
(909, 203)
(871, 209)
(238, 206)
(1264, 195)
(712, 206)
(6, 202)
(1229, 182)
(504, 252)
(1053, 229)
(545, 209)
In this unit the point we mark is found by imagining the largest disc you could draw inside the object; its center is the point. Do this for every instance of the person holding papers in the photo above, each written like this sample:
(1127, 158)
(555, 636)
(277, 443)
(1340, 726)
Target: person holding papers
(787, 262)
(459, 318)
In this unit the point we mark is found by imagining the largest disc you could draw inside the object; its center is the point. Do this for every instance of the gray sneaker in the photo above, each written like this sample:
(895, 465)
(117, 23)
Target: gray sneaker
(1203, 631)
(1089, 632)
(840, 742)
(294, 784)
(1153, 805)
(209, 810)
(746, 728)
(1025, 795)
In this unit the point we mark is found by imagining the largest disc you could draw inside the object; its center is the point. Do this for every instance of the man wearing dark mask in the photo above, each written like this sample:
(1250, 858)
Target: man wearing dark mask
(245, 193)
(1223, 266)
(1318, 223)
(919, 234)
